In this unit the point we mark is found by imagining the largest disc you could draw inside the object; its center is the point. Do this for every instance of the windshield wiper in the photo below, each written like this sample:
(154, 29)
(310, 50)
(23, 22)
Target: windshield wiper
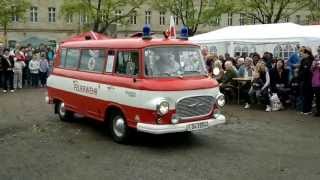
(192, 72)
(168, 74)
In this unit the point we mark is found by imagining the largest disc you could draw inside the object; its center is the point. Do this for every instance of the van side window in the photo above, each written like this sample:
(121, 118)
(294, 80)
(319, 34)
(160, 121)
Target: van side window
(63, 57)
(72, 58)
(127, 63)
(92, 60)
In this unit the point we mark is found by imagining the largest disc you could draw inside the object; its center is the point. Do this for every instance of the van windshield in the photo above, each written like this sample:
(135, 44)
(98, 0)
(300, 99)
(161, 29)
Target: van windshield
(175, 61)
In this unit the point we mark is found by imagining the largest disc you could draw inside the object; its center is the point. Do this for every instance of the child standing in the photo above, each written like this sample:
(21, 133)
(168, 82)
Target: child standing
(34, 67)
(44, 69)
(18, 69)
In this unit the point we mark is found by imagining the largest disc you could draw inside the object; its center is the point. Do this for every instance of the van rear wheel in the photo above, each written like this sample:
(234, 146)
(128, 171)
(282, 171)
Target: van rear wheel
(64, 114)
(118, 128)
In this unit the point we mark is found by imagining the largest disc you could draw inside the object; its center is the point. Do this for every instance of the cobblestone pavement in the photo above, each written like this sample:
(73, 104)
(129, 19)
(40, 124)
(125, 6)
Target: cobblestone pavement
(253, 144)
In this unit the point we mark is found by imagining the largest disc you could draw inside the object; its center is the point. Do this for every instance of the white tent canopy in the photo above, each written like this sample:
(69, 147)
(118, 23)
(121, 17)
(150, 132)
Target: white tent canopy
(262, 33)
(260, 38)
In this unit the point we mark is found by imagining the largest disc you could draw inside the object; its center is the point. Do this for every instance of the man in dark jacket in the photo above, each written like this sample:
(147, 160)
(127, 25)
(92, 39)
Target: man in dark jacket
(1, 71)
(305, 77)
(8, 65)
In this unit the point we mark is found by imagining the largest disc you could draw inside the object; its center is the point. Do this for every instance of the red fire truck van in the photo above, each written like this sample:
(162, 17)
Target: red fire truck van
(148, 85)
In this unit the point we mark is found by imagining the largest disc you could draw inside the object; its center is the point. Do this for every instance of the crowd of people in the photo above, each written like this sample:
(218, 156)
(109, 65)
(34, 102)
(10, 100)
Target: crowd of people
(270, 81)
(24, 66)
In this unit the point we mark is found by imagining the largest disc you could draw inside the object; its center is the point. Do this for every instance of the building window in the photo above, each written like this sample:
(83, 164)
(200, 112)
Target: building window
(34, 14)
(162, 18)
(308, 19)
(133, 18)
(284, 51)
(241, 19)
(69, 18)
(298, 19)
(84, 19)
(253, 20)
(52, 14)
(118, 15)
(287, 19)
(229, 19)
(14, 18)
(103, 15)
(218, 20)
(147, 17)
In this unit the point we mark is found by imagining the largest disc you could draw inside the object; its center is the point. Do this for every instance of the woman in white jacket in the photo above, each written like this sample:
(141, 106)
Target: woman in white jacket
(34, 67)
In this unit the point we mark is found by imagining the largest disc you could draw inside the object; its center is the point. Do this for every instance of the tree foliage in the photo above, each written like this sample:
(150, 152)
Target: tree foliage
(193, 13)
(9, 9)
(269, 11)
(314, 8)
(102, 12)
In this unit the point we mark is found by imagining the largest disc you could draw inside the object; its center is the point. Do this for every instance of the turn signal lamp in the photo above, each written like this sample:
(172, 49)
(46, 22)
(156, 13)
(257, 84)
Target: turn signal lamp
(184, 33)
(146, 32)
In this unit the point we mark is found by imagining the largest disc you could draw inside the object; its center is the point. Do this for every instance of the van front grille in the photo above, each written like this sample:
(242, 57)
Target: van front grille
(196, 106)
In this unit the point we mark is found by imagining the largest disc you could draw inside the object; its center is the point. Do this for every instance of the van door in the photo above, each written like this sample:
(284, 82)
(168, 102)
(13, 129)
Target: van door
(69, 71)
(92, 63)
(127, 71)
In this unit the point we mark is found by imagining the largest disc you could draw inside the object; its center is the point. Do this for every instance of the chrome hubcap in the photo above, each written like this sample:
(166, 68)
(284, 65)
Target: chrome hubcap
(62, 110)
(119, 126)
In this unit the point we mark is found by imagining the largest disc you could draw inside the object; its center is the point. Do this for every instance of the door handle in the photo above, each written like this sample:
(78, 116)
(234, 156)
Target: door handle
(110, 87)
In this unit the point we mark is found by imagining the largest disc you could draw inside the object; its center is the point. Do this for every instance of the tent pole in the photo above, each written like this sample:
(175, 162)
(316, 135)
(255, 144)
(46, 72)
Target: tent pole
(231, 49)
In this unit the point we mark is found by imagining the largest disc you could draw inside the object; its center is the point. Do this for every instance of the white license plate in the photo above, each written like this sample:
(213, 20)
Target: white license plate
(197, 126)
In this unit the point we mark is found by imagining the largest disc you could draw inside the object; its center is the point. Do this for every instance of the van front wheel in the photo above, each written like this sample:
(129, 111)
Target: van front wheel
(118, 128)
(64, 114)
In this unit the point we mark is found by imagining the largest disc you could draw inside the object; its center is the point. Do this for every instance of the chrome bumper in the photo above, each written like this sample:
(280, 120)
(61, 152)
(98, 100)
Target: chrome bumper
(180, 127)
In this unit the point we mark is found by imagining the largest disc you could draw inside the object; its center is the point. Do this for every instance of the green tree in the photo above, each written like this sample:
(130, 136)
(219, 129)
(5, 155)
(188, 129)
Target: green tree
(102, 12)
(269, 11)
(314, 8)
(194, 13)
(9, 10)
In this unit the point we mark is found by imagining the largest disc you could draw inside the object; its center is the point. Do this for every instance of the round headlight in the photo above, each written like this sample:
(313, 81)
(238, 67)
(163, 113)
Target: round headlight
(221, 101)
(216, 71)
(163, 108)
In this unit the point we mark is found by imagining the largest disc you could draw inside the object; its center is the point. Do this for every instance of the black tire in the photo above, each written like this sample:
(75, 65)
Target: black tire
(118, 128)
(64, 115)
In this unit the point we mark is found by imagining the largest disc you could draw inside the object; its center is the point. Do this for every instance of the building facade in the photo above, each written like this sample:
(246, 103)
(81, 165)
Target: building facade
(43, 23)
